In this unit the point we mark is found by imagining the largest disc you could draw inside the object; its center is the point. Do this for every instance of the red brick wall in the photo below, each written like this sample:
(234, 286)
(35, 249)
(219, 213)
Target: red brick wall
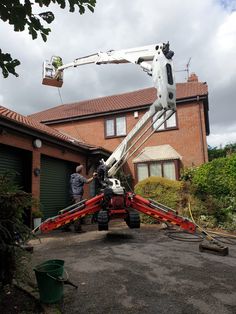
(25, 142)
(189, 140)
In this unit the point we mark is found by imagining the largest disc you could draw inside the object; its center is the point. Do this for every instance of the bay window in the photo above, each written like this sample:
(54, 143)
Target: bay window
(164, 168)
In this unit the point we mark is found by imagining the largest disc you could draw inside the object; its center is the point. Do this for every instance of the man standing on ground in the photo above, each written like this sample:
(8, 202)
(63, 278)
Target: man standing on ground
(77, 182)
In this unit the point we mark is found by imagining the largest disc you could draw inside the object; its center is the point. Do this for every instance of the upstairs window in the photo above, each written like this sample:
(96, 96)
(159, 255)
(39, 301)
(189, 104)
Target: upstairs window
(171, 123)
(115, 127)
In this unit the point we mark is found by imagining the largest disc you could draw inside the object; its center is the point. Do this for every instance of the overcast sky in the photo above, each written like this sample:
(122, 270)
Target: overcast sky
(203, 30)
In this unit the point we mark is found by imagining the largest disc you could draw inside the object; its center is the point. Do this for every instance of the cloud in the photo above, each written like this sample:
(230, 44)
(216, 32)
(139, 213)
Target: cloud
(228, 4)
(204, 30)
(222, 139)
(221, 136)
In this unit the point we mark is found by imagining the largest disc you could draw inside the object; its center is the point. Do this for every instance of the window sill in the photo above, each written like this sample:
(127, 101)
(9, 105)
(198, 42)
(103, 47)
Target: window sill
(169, 129)
(114, 136)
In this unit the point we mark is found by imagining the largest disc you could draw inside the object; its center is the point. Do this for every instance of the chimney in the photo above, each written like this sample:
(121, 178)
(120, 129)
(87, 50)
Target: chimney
(193, 78)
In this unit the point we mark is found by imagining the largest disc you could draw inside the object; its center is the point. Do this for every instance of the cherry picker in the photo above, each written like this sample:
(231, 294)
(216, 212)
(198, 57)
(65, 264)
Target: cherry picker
(113, 201)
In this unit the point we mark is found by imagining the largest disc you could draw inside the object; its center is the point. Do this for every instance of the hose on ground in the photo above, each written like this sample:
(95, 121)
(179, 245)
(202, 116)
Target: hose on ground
(221, 237)
(185, 236)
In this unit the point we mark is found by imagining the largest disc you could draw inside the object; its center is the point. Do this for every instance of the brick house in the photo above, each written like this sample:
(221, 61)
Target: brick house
(104, 122)
(43, 160)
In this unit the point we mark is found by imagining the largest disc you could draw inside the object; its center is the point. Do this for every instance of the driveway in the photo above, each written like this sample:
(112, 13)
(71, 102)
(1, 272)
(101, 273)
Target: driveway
(140, 271)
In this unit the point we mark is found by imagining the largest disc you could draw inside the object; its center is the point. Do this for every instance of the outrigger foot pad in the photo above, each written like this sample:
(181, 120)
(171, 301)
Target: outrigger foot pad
(214, 249)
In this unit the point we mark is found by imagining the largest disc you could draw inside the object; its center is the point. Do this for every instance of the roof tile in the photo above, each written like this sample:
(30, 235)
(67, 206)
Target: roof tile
(117, 102)
(35, 125)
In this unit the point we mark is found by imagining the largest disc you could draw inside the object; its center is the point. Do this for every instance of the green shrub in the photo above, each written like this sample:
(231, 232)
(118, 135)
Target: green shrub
(217, 177)
(162, 190)
(13, 202)
(209, 189)
(214, 186)
(187, 174)
(207, 221)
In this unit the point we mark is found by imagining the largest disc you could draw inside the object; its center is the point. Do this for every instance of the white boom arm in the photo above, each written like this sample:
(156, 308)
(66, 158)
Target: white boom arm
(156, 60)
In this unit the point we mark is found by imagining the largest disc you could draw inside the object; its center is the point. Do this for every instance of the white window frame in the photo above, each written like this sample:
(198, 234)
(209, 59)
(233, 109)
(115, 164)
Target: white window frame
(116, 132)
(165, 125)
(164, 171)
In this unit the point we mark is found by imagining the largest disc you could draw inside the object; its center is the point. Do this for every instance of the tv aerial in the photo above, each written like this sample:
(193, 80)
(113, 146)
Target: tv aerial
(186, 69)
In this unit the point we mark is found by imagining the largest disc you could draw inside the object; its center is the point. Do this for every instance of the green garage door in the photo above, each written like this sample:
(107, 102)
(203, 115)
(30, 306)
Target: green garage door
(18, 163)
(54, 185)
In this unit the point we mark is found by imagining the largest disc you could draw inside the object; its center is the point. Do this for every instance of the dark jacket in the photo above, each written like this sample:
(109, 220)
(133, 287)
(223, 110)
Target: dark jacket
(77, 182)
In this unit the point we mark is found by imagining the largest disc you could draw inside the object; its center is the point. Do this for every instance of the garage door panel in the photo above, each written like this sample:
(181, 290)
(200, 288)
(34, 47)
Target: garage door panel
(54, 185)
(18, 162)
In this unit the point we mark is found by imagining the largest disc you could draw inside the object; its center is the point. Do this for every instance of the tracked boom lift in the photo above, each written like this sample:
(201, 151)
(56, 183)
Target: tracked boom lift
(113, 201)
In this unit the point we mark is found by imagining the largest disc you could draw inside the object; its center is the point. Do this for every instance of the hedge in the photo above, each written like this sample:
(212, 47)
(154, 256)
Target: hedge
(217, 178)
(214, 184)
(165, 191)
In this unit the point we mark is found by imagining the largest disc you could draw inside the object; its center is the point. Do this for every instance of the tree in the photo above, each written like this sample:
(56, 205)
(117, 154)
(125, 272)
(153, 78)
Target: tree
(19, 13)
(215, 152)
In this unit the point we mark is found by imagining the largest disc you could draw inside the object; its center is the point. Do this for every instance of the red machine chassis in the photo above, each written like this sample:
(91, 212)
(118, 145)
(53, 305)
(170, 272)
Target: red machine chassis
(121, 207)
(132, 201)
